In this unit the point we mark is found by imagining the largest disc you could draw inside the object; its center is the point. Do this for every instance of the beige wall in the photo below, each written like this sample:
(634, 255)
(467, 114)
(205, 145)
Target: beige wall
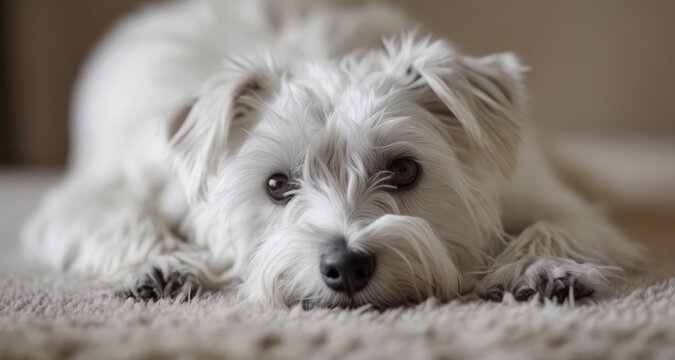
(605, 65)
(597, 65)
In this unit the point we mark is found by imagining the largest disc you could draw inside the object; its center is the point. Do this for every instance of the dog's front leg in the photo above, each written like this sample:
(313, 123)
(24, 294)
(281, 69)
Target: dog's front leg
(176, 275)
(109, 232)
(562, 247)
(565, 259)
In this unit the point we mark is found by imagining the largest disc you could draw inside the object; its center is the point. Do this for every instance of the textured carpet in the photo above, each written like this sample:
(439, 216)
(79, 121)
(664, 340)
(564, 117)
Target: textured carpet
(47, 315)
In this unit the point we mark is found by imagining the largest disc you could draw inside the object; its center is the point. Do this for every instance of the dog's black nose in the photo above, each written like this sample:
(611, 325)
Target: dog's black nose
(346, 270)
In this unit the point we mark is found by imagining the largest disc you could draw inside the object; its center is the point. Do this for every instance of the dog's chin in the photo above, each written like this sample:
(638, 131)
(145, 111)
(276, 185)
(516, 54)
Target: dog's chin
(381, 294)
(378, 295)
(357, 301)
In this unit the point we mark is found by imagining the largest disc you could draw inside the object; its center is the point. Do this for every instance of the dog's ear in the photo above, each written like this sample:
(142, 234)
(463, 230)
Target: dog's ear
(481, 98)
(211, 124)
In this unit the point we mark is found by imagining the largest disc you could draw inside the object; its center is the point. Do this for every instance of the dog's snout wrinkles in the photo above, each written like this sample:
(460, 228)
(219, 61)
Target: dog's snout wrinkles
(346, 270)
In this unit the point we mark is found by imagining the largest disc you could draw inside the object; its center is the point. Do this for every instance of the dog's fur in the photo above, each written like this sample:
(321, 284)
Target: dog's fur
(187, 108)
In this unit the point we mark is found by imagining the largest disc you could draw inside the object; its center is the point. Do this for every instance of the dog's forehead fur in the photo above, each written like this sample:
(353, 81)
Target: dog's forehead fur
(327, 112)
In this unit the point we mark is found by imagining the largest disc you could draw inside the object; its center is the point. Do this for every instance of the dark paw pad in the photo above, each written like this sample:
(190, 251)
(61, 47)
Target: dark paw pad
(524, 294)
(495, 294)
(156, 285)
(559, 289)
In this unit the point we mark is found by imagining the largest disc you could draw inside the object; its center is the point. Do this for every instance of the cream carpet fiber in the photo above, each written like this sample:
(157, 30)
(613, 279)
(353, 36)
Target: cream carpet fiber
(48, 315)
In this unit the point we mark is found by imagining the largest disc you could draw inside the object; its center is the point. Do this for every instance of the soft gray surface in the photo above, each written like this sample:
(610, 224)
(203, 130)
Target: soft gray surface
(47, 315)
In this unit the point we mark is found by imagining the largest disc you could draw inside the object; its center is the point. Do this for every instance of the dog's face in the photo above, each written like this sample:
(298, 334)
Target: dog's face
(361, 181)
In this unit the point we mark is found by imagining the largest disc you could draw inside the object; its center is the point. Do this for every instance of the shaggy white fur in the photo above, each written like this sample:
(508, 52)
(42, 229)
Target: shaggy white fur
(45, 315)
(191, 116)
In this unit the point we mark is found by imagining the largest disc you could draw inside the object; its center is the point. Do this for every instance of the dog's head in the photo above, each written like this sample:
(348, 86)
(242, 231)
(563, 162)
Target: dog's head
(367, 180)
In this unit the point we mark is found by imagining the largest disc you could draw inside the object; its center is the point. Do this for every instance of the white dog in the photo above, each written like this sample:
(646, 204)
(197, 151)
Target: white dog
(315, 155)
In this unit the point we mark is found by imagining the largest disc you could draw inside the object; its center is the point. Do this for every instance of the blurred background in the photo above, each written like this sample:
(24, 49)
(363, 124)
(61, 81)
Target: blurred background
(602, 82)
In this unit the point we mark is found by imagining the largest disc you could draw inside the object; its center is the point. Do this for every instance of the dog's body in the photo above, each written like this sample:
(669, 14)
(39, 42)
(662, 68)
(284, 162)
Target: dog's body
(224, 145)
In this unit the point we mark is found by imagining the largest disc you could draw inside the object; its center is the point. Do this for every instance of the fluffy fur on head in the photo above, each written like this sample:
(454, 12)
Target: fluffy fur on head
(334, 127)
(331, 114)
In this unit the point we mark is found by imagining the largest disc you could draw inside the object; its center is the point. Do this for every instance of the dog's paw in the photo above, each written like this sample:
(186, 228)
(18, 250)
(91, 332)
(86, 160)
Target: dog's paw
(156, 283)
(556, 281)
(559, 280)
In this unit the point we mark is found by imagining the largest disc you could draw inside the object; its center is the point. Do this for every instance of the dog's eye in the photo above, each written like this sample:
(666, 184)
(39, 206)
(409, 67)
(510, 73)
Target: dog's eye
(404, 172)
(277, 187)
